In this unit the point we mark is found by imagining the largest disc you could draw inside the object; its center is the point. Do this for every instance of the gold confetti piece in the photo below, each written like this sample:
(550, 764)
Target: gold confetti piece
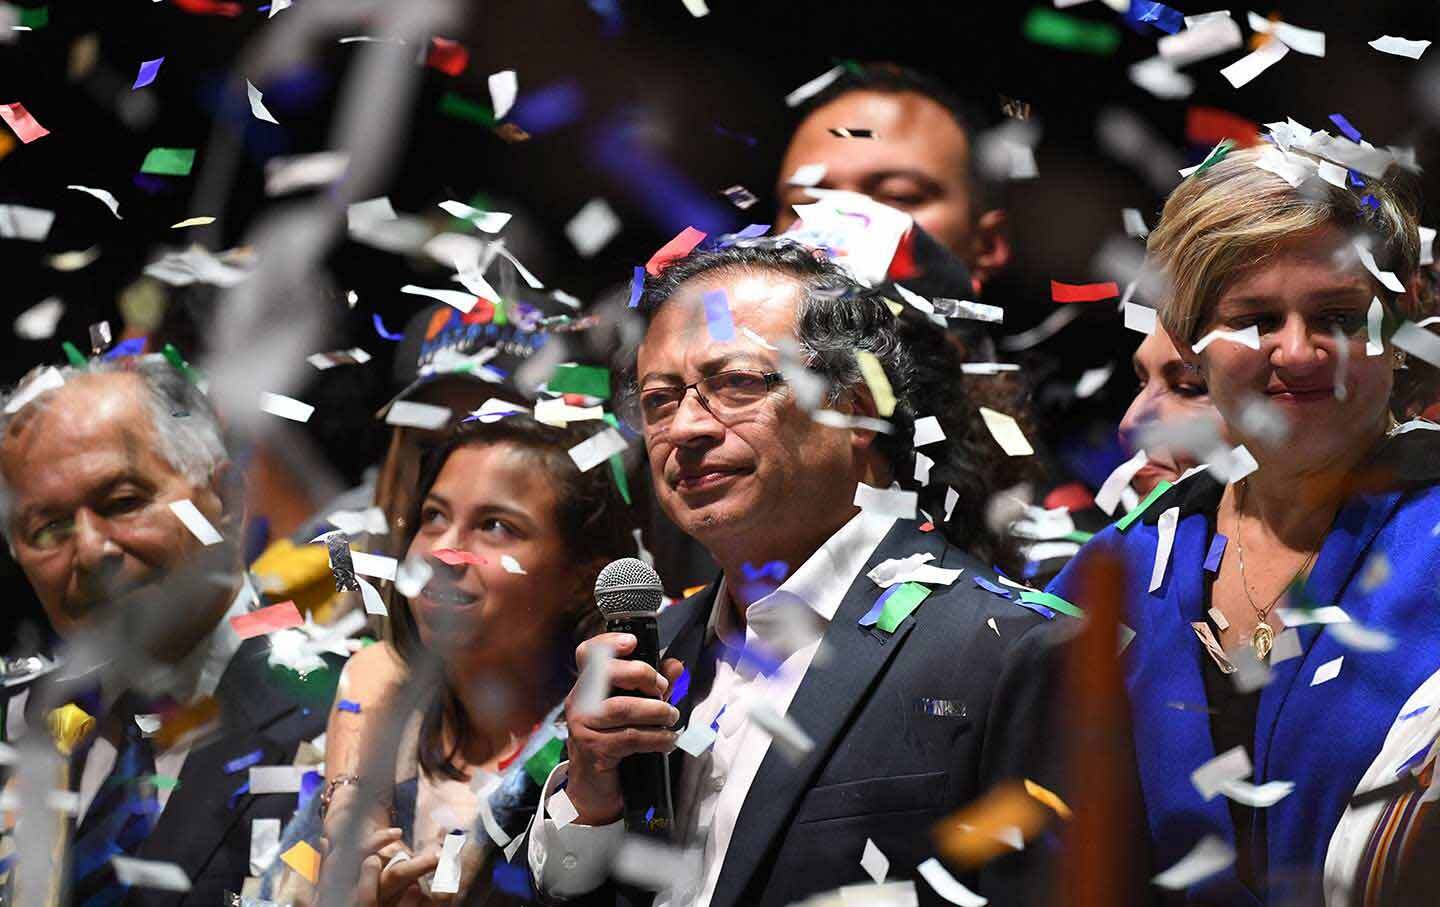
(304, 859)
(1049, 798)
(874, 374)
(193, 222)
(186, 721)
(69, 725)
(982, 830)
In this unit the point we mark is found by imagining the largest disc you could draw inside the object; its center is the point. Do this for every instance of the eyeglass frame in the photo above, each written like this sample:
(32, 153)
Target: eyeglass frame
(636, 414)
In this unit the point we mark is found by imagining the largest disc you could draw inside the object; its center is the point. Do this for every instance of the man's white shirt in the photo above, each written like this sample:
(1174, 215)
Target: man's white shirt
(575, 859)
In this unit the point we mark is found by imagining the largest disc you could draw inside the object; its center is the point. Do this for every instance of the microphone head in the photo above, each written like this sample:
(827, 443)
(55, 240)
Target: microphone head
(626, 587)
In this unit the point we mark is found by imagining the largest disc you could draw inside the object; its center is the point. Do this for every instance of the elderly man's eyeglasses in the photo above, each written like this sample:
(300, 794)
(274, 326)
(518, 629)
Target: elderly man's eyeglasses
(725, 395)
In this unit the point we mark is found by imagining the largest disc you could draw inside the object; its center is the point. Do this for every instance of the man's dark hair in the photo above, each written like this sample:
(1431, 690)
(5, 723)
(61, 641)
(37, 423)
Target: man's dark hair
(838, 317)
(596, 524)
(892, 78)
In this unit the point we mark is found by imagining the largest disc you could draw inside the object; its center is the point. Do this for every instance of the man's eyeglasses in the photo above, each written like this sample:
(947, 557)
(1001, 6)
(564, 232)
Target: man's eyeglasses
(725, 395)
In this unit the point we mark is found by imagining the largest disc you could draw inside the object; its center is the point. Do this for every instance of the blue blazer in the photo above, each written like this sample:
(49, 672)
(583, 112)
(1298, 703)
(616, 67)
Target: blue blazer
(1323, 737)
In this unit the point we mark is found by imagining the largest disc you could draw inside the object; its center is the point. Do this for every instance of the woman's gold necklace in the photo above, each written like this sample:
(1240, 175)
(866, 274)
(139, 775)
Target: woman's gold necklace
(1262, 638)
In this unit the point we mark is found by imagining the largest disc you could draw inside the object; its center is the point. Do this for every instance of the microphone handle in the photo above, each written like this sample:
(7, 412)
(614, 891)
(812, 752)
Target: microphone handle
(644, 777)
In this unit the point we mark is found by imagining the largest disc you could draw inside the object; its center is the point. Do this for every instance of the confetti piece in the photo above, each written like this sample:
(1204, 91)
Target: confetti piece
(510, 565)
(1213, 556)
(590, 380)
(1346, 127)
(1124, 522)
(886, 501)
(24, 222)
(874, 374)
(39, 321)
(1207, 858)
(20, 120)
(462, 301)
(108, 199)
(915, 568)
(1006, 432)
(156, 874)
(1243, 70)
(899, 602)
(411, 414)
(447, 55)
(807, 175)
(696, 739)
(947, 886)
(1259, 796)
(1045, 26)
(1134, 226)
(304, 859)
(148, 71)
(1201, 40)
(195, 521)
(696, 8)
(286, 407)
(1374, 317)
(1327, 671)
(257, 105)
(1305, 40)
(875, 863)
(592, 227)
(264, 844)
(740, 197)
(783, 730)
(454, 557)
(560, 810)
(717, 316)
(276, 779)
(594, 683)
(193, 222)
(169, 161)
(813, 87)
(504, 86)
(1418, 342)
(678, 247)
(1400, 47)
(1087, 292)
(447, 871)
(1108, 497)
(1216, 155)
(288, 173)
(1160, 77)
(484, 221)
(1386, 278)
(928, 431)
(596, 450)
(376, 565)
(1213, 774)
(1249, 337)
(1166, 539)
(240, 763)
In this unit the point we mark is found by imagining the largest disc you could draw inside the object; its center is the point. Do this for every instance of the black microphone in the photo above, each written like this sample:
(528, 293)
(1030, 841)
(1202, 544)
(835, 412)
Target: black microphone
(628, 593)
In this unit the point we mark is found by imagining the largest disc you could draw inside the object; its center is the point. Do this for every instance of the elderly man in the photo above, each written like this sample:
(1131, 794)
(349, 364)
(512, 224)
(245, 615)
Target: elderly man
(920, 160)
(123, 509)
(913, 707)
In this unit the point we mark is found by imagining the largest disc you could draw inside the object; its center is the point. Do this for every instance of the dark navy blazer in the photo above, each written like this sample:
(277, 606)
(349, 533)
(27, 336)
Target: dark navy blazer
(1322, 737)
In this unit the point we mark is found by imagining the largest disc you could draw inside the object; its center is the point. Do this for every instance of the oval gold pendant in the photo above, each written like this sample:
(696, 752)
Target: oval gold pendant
(1262, 639)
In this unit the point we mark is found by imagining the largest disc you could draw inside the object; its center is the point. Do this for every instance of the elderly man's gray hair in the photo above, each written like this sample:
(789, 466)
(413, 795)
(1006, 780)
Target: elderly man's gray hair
(187, 429)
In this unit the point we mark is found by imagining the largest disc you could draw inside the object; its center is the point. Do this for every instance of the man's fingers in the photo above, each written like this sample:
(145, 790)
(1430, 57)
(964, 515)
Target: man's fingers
(402, 875)
(367, 890)
(672, 669)
(378, 839)
(618, 643)
(605, 749)
(637, 676)
(631, 711)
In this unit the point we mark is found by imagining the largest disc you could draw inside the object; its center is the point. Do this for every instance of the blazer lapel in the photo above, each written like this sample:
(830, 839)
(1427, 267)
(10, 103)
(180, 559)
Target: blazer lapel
(200, 813)
(827, 696)
(688, 621)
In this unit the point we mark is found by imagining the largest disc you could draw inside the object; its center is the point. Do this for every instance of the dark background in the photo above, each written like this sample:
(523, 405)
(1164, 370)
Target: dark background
(639, 103)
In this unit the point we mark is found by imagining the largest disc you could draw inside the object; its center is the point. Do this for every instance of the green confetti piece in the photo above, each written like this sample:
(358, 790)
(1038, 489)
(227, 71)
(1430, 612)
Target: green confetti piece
(1051, 601)
(1045, 26)
(35, 18)
(1079, 535)
(1124, 522)
(73, 354)
(590, 380)
(462, 108)
(617, 463)
(899, 604)
(162, 782)
(540, 765)
(169, 161)
(1216, 155)
(173, 356)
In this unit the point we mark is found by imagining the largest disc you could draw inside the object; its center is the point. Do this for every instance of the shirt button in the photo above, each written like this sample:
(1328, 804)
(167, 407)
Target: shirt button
(569, 862)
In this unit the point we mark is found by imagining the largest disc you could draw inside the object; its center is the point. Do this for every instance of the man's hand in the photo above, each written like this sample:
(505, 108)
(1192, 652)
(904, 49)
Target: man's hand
(622, 726)
(382, 887)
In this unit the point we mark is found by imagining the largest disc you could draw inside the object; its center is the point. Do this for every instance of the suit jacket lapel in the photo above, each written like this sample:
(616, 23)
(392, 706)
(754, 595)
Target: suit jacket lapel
(683, 637)
(199, 814)
(827, 696)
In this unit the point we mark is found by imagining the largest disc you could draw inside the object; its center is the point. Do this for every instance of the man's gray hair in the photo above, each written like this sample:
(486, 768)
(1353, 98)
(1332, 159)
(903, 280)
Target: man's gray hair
(187, 428)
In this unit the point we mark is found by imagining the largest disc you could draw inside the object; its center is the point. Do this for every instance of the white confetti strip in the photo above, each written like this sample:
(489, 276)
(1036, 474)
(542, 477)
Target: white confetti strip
(1205, 38)
(596, 450)
(1212, 776)
(1249, 337)
(504, 86)
(1400, 47)
(560, 810)
(875, 863)
(928, 431)
(376, 565)
(276, 779)
(462, 301)
(1243, 70)
(813, 87)
(1208, 857)
(807, 175)
(1327, 671)
(1418, 342)
(782, 729)
(592, 227)
(947, 886)
(417, 415)
(1258, 796)
(447, 871)
(257, 105)
(1374, 317)
(1386, 278)
(286, 407)
(510, 565)
(594, 683)
(1139, 318)
(1165, 525)
(264, 844)
(195, 521)
(1006, 432)
(887, 501)
(1109, 494)
(484, 221)
(109, 200)
(157, 874)
(696, 739)
(40, 320)
(370, 597)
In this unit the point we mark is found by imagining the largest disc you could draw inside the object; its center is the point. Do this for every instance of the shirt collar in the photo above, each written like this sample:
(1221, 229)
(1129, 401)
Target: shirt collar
(820, 583)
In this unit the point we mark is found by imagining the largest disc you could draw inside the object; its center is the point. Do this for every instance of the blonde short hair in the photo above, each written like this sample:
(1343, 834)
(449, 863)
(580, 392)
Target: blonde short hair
(1226, 219)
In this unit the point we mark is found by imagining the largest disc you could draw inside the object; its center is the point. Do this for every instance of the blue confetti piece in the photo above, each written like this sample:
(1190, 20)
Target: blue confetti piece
(1157, 14)
(753, 231)
(380, 329)
(1216, 552)
(1037, 608)
(240, 791)
(310, 784)
(717, 316)
(1420, 711)
(749, 140)
(873, 615)
(513, 880)
(649, 814)
(1345, 126)
(715, 725)
(1356, 179)
(751, 657)
(1370, 202)
(240, 763)
(988, 586)
(776, 570)
(637, 286)
(681, 688)
(133, 346)
(348, 705)
(148, 71)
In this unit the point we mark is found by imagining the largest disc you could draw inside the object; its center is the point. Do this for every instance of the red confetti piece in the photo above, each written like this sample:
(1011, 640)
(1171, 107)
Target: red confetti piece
(902, 266)
(267, 620)
(448, 56)
(678, 247)
(927, 526)
(22, 122)
(210, 8)
(1083, 292)
(1208, 125)
(454, 557)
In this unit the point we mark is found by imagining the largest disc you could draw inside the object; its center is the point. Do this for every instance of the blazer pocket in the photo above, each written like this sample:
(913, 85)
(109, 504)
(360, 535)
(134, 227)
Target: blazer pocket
(872, 796)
